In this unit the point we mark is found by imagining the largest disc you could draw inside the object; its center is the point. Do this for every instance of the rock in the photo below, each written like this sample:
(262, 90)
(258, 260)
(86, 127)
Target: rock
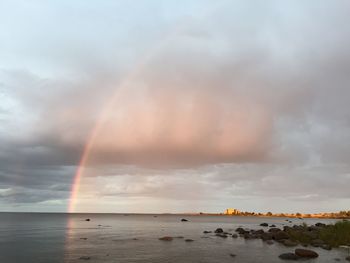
(347, 258)
(221, 235)
(247, 236)
(287, 228)
(264, 224)
(233, 255)
(269, 242)
(87, 219)
(166, 238)
(184, 220)
(234, 235)
(83, 238)
(266, 236)
(305, 253)
(288, 256)
(274, 230)
(289, 243)
(297, 227)
(280, 235)
(258, 232)
(189, 240)
(85, 258)
(337, 259)
(241, 231)
(317, 243)
(272, 225)
(219, 230)
(326, 247)
(206, 232)
(181, 237)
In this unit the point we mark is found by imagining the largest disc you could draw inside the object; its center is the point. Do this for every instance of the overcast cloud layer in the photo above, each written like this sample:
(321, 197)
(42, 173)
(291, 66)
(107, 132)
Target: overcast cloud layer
(200, 106)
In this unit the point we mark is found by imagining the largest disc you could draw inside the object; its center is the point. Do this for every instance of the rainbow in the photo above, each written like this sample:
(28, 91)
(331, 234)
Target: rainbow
(103, 116)
(99, 124)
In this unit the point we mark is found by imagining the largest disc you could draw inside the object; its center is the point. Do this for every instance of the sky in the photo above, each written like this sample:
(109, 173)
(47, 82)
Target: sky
(175, 106)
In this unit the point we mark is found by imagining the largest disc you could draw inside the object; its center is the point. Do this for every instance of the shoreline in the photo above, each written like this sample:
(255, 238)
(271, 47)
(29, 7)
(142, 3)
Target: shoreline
(308, 216)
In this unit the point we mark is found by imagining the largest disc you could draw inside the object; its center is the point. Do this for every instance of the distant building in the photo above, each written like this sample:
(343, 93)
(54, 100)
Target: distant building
(232, 211)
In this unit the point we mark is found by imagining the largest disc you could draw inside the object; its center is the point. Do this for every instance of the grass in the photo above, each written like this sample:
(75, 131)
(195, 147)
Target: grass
(337, 234)
(299, 235)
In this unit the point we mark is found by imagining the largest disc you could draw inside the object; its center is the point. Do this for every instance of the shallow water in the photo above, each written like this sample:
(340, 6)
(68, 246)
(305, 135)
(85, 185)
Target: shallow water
(37, 238)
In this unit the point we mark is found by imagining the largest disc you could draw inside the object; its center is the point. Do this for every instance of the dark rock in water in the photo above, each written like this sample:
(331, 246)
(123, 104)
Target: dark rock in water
(234, 235)
(272, 225)
(306, 253)
(247, 236)
(274, 230)
(269, 242)
(295, 227)
(87, 219)
(219, 230)
(286, 228)
(266, 236)
(166, 238)
(288, 256)
(221, 235)
(85, 258)
(337, 259)
(280, 235)
(289, 243)
(326, 247)
(83, 238)
(189, 240)
(206, 232)
(264, 224)
(179, 237)
(347, 258)
(241, 231)
(317, 243)
(233, 255)
(184, 220)
(257, 232)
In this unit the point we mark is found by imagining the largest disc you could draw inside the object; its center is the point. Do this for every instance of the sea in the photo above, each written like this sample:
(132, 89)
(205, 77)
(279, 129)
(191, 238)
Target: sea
(63, 238)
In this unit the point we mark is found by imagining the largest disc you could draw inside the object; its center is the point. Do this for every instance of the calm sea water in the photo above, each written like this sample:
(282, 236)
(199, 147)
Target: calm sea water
(51, 238)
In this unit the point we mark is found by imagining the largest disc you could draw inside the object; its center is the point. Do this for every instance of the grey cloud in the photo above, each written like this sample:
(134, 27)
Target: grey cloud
(265, 92)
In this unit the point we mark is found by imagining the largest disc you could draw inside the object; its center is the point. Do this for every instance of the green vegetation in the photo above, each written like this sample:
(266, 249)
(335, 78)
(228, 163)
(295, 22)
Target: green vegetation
(334, 235)
(337, 234)
(300, 235)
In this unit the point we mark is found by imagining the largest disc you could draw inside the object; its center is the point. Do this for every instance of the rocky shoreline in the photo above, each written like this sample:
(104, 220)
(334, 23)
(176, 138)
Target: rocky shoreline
(320, 235)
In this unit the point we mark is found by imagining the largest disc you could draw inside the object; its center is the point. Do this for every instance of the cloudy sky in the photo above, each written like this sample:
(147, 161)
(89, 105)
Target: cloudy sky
(178, 106)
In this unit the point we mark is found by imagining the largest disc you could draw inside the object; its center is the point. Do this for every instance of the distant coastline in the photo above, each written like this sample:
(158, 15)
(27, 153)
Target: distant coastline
(235, 212)
(326, 215)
